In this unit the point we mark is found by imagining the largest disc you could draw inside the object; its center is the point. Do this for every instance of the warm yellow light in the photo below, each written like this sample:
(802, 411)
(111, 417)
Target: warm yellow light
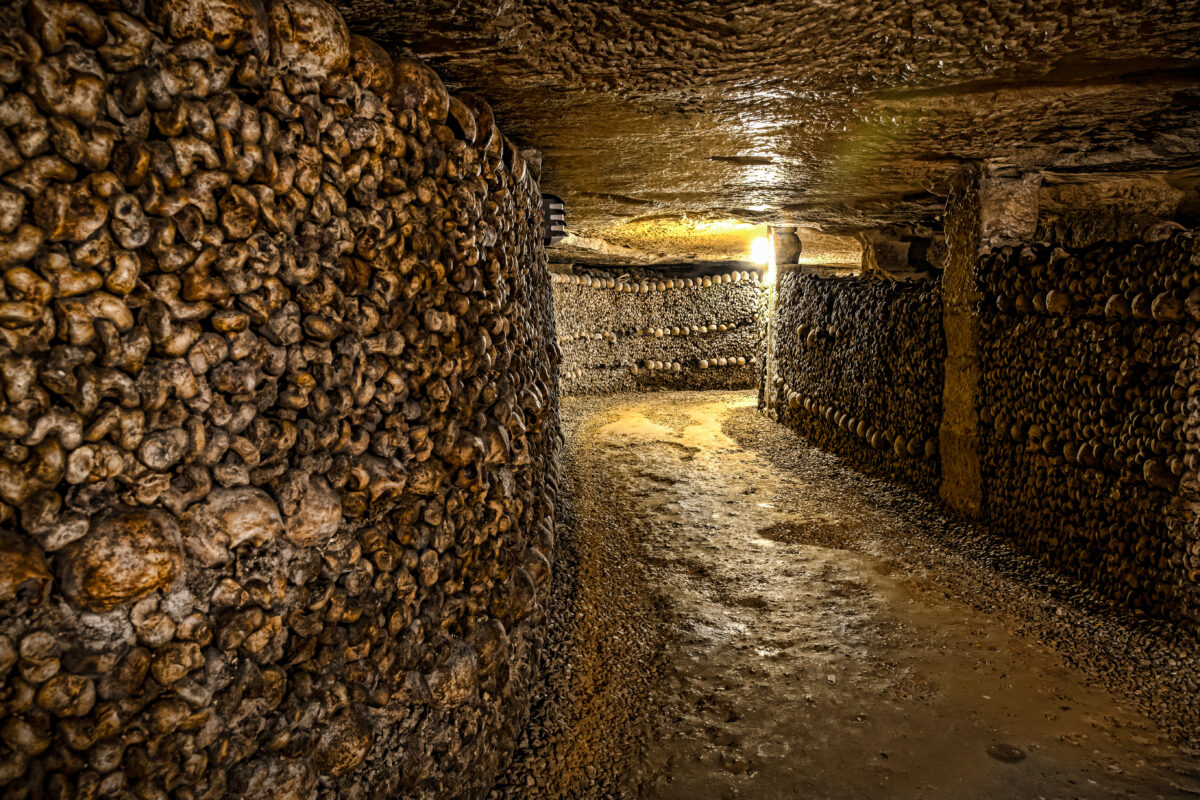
(760, 250)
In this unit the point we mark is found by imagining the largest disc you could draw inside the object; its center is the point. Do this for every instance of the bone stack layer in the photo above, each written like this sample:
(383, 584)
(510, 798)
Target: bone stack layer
(278, 419)
(650, 333)
(857, 369)
(1090, 412)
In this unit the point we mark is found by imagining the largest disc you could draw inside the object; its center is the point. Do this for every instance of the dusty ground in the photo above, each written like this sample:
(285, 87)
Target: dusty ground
(739, 615)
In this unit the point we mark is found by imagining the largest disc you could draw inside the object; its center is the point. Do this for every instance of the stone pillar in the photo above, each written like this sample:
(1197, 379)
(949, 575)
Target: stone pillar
(987, 207)
(786, 244)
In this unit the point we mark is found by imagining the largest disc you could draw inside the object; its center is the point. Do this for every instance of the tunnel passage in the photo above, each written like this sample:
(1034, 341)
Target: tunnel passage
(286, 505)
(808, 618)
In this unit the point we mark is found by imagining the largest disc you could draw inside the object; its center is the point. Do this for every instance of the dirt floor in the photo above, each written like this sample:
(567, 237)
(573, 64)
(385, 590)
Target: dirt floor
(739, 615)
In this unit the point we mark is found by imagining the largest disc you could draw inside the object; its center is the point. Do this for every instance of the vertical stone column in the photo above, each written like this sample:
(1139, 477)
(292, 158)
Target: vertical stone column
(786, 245)
(987, 207)
(785, 251)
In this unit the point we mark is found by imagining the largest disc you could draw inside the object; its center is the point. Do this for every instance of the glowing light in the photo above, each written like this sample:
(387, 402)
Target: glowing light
(709, 238)
(760, 250)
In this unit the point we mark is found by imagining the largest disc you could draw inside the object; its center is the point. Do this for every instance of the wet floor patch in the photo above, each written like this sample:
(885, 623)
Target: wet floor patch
(779, 627)
(812, 531)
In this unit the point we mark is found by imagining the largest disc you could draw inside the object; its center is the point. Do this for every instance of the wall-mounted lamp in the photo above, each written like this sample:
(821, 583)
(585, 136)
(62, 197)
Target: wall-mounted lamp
(760, 251)
(555, 211)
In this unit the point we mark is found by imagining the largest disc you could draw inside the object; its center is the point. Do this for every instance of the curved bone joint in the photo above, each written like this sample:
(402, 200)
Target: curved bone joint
(24, 576)
(126, 555)
(317, 517)
(52, 21)
(21, 246)
(308, 38)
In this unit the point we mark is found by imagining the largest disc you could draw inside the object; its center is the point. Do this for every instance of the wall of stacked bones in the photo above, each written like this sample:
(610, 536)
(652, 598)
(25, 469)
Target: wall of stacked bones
(623, 333)
(857, 369)
(1090, 412)
(278, 424)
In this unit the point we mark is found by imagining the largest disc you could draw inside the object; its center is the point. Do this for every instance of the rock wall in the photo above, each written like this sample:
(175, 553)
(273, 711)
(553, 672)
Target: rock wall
(1090, 404)
(278, 419)
(659, 333)
(857, 369)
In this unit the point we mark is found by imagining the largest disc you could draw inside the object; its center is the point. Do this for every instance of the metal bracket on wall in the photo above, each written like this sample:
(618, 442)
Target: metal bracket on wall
(555, 211)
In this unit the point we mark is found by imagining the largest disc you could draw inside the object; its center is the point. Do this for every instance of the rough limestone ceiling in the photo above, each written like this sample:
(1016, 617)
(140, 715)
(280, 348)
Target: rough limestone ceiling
(842, 115)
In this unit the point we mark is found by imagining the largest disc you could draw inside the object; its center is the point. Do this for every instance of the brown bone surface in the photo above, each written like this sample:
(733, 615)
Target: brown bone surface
(1088, 412)
(857, 369)
(278, 412)
(621, 331)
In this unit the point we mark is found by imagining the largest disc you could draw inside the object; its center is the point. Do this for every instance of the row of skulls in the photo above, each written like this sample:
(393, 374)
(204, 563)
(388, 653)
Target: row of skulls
(1090, 410)
(856, 368)
(278, 411)
(665, 336)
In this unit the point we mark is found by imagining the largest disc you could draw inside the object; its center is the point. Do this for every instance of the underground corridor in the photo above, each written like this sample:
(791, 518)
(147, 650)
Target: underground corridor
(571, 400)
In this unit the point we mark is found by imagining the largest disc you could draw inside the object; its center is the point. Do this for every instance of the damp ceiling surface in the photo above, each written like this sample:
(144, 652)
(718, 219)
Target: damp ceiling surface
(653, 117)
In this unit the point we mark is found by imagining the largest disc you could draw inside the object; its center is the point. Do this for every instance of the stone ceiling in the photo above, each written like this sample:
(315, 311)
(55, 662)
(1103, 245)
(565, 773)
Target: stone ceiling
(655, 115)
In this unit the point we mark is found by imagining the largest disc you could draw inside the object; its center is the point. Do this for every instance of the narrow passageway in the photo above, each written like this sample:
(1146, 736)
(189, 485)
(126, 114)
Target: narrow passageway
(379, 389)
(743, 616)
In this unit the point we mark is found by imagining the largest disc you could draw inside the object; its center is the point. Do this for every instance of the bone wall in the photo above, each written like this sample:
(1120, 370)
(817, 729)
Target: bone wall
(278, 419)
(1089, 407)
(657, 333)
(857, 369)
